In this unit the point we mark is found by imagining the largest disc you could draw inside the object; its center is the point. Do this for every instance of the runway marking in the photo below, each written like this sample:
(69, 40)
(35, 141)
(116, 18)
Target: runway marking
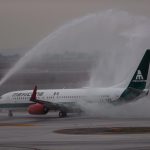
(15, 125)
(107, 130)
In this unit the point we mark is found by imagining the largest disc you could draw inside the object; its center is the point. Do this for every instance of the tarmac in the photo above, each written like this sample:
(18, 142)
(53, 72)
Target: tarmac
(27, 132)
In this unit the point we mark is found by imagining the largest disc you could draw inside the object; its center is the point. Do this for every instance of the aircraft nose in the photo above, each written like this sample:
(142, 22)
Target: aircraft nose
(1, 98)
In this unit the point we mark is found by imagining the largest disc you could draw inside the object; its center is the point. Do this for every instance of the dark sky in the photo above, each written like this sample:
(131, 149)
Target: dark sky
(23, 23)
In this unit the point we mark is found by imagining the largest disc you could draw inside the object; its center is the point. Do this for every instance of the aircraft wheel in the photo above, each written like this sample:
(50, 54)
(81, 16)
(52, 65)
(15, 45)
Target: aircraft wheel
(62, 114)
(10, 113)
(46, 110)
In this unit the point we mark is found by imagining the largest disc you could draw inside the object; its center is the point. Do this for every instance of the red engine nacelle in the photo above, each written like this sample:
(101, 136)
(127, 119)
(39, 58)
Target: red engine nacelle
(37, 109)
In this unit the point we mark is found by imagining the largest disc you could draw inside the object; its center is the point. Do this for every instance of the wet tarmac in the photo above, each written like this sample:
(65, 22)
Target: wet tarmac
(26, 132)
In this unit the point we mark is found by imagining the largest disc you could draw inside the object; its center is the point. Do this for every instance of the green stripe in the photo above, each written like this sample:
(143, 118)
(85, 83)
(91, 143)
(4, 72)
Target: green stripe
(15, 105)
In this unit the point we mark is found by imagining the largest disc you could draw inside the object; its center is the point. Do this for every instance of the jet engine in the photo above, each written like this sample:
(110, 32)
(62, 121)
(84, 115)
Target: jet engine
(37, 109)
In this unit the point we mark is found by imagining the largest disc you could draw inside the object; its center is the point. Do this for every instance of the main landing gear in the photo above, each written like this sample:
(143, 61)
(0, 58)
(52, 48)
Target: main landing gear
(62, 114)
(10, 113)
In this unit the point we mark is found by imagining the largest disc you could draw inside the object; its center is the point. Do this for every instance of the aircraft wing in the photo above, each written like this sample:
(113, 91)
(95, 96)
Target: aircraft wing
(48, 104)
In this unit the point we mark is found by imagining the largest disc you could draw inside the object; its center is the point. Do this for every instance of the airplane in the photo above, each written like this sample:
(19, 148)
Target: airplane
(40, 102)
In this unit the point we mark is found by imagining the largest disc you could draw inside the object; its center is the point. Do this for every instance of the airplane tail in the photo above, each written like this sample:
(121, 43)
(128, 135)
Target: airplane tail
(137, 86)
(139, 79)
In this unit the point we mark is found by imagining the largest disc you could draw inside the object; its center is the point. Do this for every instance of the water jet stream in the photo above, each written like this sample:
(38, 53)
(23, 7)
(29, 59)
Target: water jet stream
(32, 53)
(110, 34)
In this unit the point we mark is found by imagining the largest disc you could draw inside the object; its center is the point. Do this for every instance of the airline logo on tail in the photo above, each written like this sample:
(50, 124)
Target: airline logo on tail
(139, 75)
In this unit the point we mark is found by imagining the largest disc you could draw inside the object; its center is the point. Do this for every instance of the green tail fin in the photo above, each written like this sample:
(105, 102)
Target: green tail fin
(140, 77)
(137, 85)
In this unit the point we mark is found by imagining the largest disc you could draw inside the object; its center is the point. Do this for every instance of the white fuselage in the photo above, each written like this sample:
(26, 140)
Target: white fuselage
(21, 99)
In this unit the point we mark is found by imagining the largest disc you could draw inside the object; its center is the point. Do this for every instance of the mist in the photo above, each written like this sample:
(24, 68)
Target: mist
(118, 38)
(136, 109)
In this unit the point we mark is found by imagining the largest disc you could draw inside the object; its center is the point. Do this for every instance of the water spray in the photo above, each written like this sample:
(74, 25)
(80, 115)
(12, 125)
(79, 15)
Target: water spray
(120, 40)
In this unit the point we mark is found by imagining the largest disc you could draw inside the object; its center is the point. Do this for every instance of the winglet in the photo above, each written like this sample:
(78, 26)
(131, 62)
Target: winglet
(34, 93)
